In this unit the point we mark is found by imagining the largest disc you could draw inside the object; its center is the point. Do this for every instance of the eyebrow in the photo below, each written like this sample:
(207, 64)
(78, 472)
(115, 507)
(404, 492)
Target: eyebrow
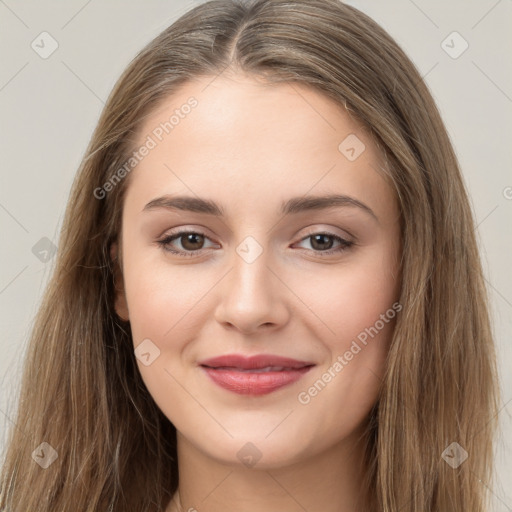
(291, 206)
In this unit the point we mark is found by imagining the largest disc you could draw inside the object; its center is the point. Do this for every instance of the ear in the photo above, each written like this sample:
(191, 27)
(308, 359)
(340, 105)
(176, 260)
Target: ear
(120, 303)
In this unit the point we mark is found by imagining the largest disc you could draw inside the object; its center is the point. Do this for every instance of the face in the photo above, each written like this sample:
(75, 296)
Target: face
(251, 263)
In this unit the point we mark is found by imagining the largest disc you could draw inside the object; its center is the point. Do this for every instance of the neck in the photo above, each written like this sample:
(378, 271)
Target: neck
(330, 481)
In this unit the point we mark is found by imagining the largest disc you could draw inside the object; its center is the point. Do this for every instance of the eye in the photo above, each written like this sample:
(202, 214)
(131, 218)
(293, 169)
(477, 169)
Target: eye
(322, 243)
(190, 241)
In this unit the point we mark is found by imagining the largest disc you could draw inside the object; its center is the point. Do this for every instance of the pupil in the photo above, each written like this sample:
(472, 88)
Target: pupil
(191, 239)
(321, 239)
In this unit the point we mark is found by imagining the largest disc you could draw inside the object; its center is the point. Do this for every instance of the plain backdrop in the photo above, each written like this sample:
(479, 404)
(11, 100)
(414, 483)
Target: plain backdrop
(50, 106)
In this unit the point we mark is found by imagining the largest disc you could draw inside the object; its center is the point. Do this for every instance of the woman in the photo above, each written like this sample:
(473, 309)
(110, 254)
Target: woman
(200, 348)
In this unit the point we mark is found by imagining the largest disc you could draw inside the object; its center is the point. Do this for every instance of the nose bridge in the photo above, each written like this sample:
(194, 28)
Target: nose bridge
(252, 285)
(251, 294)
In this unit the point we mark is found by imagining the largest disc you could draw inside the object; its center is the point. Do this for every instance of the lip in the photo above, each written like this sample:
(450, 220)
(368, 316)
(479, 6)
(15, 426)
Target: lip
(254, 375)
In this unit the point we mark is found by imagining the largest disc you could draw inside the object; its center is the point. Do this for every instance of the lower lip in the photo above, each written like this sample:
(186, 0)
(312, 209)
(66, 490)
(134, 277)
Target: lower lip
(249, 383)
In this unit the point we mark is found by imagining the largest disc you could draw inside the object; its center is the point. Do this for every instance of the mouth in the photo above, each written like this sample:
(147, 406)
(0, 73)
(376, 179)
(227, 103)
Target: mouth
(256, 375)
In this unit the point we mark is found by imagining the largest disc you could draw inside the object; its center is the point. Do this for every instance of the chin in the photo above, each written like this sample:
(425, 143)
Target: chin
(257, 452)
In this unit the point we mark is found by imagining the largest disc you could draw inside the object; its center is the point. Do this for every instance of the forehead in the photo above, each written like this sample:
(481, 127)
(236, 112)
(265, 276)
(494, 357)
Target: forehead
(247, 105)
(242, 134)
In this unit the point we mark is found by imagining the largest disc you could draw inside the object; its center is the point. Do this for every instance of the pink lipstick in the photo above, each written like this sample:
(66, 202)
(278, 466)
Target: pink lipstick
(254, 375)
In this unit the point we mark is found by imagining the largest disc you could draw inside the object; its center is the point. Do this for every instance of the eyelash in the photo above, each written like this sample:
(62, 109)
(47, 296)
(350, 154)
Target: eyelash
(164, 243)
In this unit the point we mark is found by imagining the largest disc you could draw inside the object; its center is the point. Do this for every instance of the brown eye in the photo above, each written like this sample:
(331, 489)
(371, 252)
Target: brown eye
(322, 243)
(191, 242)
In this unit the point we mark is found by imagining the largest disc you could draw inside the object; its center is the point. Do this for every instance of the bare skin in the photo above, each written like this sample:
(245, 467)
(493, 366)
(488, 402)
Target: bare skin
(248, 147)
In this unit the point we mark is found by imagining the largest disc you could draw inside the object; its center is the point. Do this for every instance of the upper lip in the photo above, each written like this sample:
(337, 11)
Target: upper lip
(255, 362)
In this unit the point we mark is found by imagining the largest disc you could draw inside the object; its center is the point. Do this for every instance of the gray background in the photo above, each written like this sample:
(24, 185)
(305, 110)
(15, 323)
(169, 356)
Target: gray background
(49, 107)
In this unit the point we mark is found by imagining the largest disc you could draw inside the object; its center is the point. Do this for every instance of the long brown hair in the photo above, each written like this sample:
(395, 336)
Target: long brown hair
(82, 392)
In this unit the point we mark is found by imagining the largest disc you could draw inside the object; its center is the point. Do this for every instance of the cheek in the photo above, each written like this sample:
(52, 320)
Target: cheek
(160, 295)
(358, 307)
(163, 306)
(355, 298)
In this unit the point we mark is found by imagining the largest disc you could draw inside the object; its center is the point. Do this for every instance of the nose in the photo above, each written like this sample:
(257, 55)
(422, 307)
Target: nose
(253, 297)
